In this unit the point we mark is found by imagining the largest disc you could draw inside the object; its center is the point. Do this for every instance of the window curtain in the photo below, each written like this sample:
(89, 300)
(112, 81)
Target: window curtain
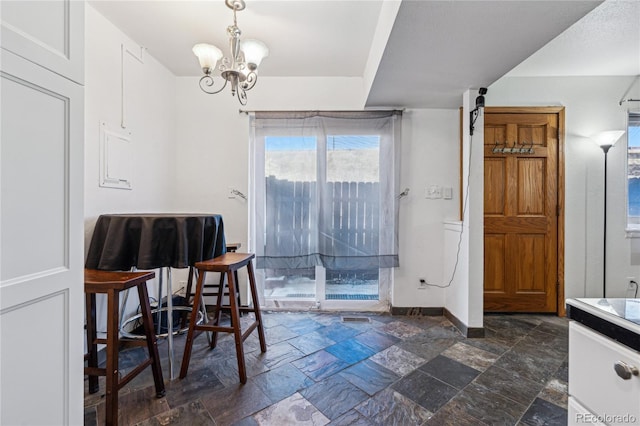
(325, 218)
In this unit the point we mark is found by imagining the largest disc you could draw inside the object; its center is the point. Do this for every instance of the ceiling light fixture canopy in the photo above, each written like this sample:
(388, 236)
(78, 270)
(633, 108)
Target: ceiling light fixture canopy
(240, 69)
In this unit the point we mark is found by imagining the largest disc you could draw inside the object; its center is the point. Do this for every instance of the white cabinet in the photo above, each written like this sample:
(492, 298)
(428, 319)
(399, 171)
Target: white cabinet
(41, 212)
(600, 393)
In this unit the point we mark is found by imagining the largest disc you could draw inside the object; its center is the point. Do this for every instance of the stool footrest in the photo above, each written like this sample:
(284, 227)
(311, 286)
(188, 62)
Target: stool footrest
(95, 371)
(214, 328)
(250, 328)
(240, 308)
(133, 373)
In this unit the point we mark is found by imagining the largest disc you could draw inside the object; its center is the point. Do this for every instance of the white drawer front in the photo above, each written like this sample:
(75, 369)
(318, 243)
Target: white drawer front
(594, 383)
(578, 415)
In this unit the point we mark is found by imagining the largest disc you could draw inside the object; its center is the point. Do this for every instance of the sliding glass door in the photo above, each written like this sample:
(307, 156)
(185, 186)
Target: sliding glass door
(323, 201)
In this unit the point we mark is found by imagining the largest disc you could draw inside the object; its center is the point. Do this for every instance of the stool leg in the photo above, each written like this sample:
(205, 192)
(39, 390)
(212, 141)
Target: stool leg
(235, 323)
(92, 346)
(186, 357)
(256, 306)
(187, 294)
(111, 398)
(152, 343)
(235, 275)
(218, 312)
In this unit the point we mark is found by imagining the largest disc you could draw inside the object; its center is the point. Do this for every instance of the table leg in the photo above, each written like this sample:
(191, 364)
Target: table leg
(159, 306)
(170, 322)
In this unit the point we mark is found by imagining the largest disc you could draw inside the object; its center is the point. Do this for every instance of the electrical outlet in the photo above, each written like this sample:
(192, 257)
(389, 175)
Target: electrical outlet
(632, 283)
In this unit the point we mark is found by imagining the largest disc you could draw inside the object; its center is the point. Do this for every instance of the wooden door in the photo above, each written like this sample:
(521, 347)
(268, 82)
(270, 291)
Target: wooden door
(41, 213)
(521, 209)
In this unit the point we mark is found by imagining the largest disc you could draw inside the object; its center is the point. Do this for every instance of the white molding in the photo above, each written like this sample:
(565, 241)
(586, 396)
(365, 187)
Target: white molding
(116, 165)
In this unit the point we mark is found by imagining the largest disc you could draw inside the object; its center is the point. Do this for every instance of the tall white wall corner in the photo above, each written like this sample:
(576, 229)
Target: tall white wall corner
(464, 297)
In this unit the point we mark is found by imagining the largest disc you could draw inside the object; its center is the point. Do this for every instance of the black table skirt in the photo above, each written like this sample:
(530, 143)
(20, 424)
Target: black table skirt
(150, 241)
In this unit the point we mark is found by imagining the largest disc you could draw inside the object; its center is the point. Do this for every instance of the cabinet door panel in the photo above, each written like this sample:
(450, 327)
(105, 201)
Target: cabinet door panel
(48, 33)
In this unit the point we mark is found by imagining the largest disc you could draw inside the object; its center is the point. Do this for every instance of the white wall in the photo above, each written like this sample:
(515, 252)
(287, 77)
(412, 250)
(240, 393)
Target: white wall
(212, 152)
(212, 144)
(191, 148)
(149, 115)
(430, 156)
(591, 106)
(464, 241)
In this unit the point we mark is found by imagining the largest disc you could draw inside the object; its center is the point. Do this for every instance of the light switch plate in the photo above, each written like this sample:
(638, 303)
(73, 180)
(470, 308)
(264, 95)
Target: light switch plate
(433, 192)
(447, 192)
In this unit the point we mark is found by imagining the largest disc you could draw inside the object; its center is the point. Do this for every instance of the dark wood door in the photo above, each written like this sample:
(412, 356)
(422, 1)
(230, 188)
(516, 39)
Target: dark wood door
(521, 210)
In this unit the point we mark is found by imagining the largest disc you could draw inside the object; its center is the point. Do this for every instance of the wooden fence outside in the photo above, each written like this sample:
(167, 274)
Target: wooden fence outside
(348, 226)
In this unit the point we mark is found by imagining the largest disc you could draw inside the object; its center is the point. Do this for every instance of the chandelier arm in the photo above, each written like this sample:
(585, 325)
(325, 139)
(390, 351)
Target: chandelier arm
(250, 81)
(242, 96)
(208, 81)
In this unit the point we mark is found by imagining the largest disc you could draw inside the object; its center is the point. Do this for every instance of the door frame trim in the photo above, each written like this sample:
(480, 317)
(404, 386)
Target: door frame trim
(560, 110)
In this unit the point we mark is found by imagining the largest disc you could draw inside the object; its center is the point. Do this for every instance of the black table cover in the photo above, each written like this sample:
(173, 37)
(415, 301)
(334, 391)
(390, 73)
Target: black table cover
(150, 241)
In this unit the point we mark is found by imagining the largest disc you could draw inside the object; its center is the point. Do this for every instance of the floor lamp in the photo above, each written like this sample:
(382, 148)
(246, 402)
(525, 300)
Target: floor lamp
(606, 140)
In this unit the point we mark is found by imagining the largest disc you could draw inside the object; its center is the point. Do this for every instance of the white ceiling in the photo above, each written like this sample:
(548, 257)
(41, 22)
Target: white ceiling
(604, 42)
(305, 38)
(437, 48)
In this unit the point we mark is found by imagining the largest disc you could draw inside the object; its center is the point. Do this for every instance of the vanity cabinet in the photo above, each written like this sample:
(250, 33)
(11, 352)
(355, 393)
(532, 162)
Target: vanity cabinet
(594, 382)
(604, 373)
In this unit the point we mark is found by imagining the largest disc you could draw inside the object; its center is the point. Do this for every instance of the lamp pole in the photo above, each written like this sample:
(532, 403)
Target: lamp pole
(605, 148)
(606, 140)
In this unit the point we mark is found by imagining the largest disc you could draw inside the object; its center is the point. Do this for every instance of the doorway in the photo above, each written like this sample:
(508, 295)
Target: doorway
(523, 209)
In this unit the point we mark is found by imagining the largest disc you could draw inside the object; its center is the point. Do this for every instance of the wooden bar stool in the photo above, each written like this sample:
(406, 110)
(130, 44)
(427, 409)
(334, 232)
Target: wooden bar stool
(215, 288)
(112, 283)
(228, 264)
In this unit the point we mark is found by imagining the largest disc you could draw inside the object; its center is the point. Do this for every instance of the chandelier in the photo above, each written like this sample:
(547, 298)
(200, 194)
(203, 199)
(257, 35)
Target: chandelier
(240, 68)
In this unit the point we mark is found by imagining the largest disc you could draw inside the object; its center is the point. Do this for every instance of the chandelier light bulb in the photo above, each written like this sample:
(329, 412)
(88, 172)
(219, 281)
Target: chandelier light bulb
(254, 52)
(208, 56)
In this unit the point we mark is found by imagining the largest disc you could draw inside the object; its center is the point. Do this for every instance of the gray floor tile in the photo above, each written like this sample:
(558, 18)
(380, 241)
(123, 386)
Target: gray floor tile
(508, 384)
(235, 402)
(545, 413)
(351, 418)
(425, 390)
(392, 370)
(392, 408)
(350, 351)
(320, 365)
(192, 413)
(450, 371)
(334, 396)
(376, 340)
(471, 356)
(282, 382)
(338, 332)
(490, 408)
(369, 376)
(294, 410)
(310, 342)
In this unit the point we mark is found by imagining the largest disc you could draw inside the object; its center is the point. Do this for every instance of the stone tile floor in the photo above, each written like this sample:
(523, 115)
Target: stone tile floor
(392, 370)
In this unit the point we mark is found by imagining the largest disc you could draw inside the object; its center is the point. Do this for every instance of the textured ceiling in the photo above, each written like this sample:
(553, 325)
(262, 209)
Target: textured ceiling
(438, 49)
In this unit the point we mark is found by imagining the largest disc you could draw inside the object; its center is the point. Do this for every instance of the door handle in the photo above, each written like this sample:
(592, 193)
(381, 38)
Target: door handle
(624, 370)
